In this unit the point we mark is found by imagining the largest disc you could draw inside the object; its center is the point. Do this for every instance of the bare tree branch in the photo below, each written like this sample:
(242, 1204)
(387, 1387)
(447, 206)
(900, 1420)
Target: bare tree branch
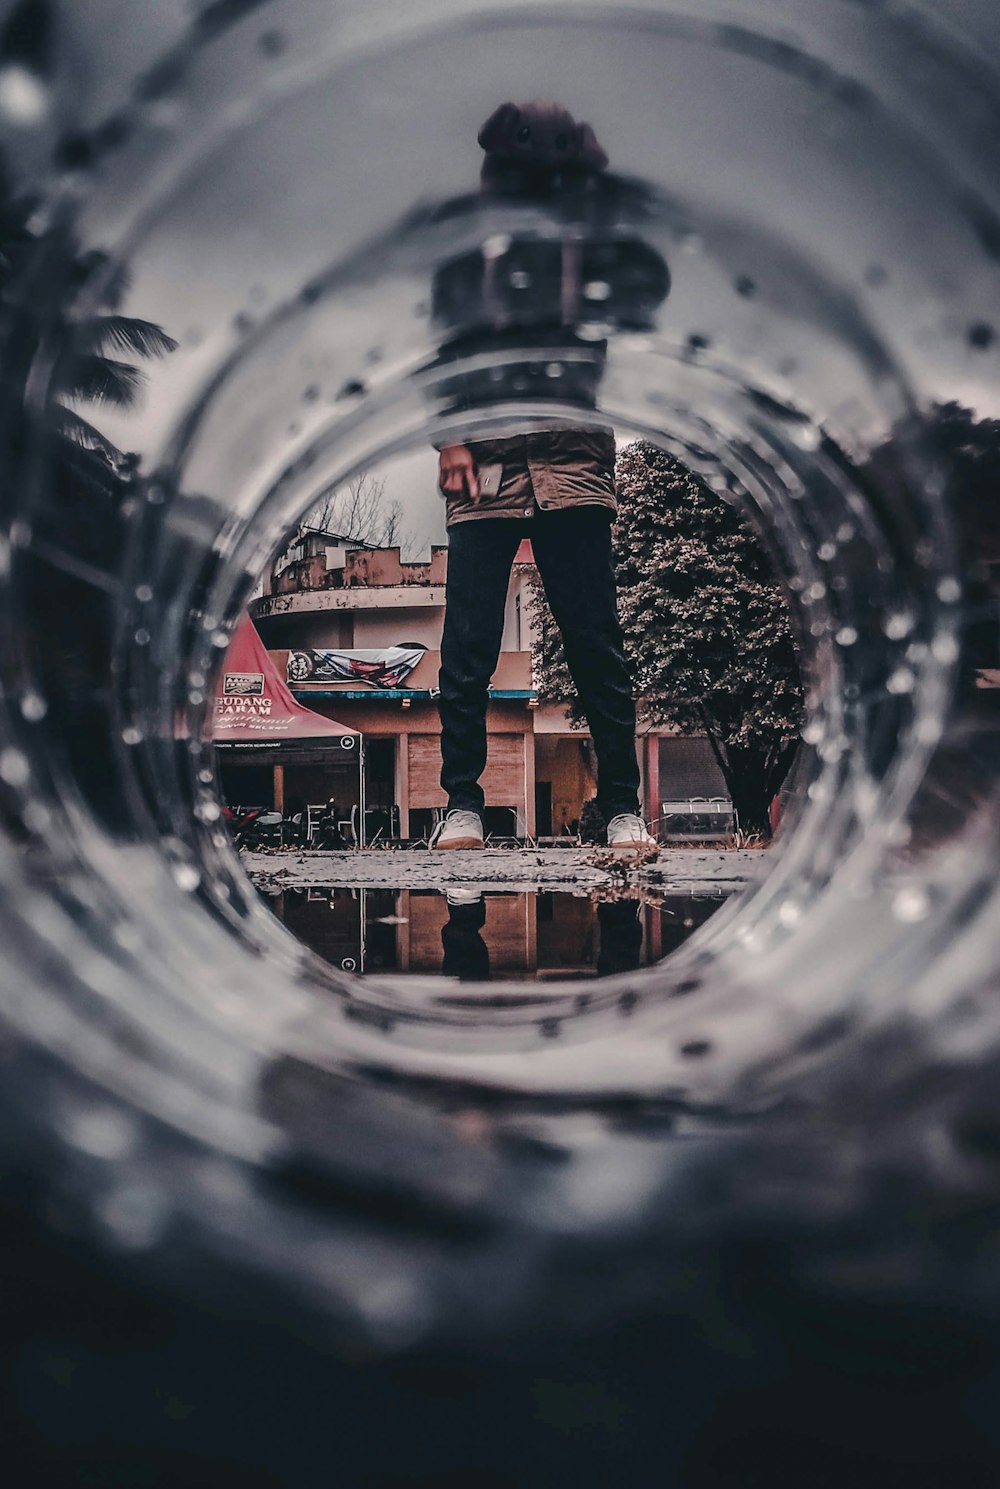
(359, 512)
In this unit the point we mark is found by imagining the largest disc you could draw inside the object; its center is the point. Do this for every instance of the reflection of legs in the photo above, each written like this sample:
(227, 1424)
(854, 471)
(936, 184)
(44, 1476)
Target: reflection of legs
(466, 955)
(573, 552)
(621, 937)
(480, 555)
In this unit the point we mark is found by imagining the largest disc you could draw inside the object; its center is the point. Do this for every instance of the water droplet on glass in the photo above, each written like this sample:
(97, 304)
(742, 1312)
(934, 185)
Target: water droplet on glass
(131, 735)
(220, 640)
(33, 707)
(100, 1132)
(826, 551)
(898, 624)
(353, 388)
(136, 1214)
(949, 590)
(14, 767)
(495, 245)
(520, 279)
(141, 637)
(36, 818)
(143, 593)
(554, 369)
(126, 936)
(745, 286)
(981, 336)
(846, 636)
(945, 649)
(806, 436)
(24, 100)
(911, 904)
(597, 289)
(901, 681)
(186, 876)
(208, 811)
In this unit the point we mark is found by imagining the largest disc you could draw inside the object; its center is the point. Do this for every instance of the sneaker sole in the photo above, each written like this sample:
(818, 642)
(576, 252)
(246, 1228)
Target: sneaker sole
(458, 843)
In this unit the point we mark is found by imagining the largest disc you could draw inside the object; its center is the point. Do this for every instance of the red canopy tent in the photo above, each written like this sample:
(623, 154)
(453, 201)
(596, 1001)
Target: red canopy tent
(257, 719)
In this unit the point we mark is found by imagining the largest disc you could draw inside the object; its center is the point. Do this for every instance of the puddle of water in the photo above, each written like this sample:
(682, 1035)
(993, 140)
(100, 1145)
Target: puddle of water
(471, 936)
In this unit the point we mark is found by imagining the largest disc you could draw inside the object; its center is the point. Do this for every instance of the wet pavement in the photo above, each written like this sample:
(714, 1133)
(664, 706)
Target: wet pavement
(545, 916)
(570, 869)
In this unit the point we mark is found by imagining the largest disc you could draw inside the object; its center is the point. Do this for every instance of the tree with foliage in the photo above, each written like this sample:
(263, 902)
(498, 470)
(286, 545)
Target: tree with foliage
(707, 632)
(92, 356)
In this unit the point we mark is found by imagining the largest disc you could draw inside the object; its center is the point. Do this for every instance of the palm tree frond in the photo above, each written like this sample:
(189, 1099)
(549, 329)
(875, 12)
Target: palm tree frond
(123, 333)
(84, 435)
(95, 379)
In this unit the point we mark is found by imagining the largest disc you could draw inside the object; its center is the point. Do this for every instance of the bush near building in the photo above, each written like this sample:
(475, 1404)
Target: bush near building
(707, 632)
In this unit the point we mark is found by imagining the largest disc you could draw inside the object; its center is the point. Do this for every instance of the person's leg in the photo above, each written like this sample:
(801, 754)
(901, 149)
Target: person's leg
(480, 555)
(573, 553)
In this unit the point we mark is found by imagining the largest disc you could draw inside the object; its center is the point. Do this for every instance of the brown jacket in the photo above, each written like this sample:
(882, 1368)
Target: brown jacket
(554, 468)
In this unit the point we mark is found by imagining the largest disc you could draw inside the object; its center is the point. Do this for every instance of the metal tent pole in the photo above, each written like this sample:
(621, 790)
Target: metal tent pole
(361, 791)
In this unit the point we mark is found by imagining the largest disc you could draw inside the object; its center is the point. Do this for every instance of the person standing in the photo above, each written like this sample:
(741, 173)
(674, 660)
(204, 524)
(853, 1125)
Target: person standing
(552, 484)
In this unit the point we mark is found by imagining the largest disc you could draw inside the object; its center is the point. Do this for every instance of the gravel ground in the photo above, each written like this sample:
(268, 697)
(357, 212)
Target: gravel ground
(581, 870)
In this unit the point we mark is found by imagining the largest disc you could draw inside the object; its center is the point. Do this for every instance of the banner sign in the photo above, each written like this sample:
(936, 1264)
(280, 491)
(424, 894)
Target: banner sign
(387, 667)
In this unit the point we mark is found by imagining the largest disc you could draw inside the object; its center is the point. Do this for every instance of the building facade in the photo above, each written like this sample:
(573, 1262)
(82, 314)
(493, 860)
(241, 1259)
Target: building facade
(325, 595)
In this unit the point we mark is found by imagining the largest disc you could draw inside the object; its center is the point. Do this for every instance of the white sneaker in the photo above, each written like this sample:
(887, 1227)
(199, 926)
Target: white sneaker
(458, 830)
(627, 833)
(464, 896)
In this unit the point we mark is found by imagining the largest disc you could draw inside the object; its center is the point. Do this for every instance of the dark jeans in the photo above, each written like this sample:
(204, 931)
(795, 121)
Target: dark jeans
(572, 550)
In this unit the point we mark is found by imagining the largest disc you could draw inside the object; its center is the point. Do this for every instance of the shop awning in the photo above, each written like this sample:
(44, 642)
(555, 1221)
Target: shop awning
(254, 709)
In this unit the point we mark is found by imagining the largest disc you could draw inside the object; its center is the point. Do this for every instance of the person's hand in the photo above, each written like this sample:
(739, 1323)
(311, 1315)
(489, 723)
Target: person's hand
(457, 472)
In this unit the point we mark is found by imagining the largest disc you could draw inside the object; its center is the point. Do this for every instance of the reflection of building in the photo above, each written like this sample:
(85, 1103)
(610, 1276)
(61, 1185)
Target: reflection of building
(326, 596)
(541, 936)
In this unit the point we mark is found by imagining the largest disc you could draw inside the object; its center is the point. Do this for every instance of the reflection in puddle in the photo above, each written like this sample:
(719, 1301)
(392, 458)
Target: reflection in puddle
(471, 935)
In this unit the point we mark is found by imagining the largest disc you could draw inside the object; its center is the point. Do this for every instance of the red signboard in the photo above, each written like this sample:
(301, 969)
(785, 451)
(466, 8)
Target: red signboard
(254, 707)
